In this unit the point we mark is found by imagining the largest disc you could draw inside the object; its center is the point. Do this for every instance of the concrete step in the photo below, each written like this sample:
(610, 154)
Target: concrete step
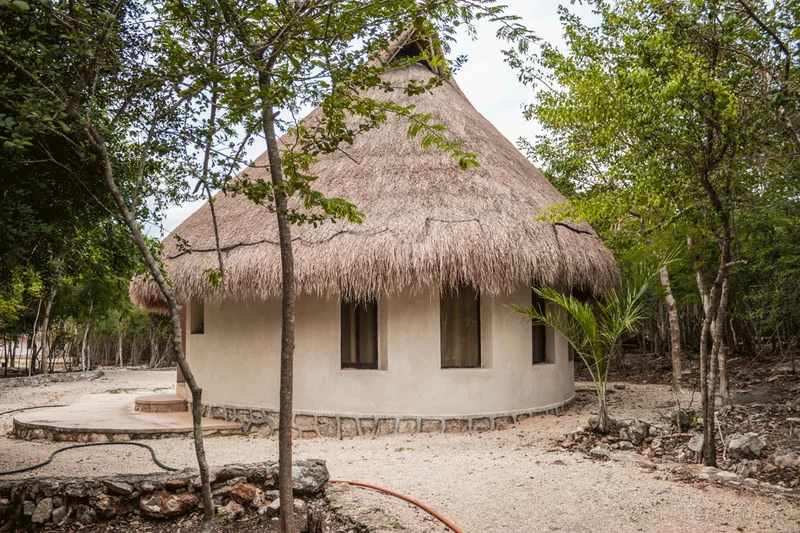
(160, 403)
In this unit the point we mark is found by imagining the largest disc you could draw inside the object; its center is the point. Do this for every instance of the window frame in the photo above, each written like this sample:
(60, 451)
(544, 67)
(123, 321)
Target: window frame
(345, 308)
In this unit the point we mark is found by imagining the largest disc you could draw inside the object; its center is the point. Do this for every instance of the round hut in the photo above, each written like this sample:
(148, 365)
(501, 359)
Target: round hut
(402, 322)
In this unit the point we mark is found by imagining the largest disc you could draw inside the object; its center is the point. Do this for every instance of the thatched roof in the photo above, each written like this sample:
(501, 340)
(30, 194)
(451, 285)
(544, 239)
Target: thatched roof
(427, 221)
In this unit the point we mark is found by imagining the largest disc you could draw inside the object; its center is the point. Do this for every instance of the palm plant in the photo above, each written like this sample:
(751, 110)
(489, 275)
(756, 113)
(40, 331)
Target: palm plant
(595, 328)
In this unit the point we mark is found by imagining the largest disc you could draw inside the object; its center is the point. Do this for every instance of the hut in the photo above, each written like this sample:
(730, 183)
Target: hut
(402, 322)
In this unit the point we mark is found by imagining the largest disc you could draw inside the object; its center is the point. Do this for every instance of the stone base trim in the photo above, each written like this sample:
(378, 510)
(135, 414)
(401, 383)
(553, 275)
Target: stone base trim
(58, 377)
(33, 432)
(308, 424)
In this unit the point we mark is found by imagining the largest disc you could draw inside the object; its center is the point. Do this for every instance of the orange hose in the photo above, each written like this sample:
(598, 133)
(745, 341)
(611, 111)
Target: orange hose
(421, 505)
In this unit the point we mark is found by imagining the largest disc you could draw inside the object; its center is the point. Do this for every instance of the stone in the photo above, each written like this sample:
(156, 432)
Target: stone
(677, 417)
(59, 514)
(431, 426)
(304, 422)
(696, 443)
(309, 434)
(119, 487)
(601, 452)
(625, 445)
(28, 507)
(175, 484)
(232, 511)
(163, 504)
(309, 477)
(790, 460)
(107, 505)
(745, 446)
(85, 515)
(481, 424)
(455, 425)
(407, 426)
(98, 437)
(367, 426)
(146, 486)
(631, 457)
(385, 426)
(348, 427)
(635, 431)
(326, 426)
(243, 493)
(43, 511)
(274, 508)
(503, 422)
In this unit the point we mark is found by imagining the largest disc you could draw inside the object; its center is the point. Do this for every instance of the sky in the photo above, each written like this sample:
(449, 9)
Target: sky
(489, 83)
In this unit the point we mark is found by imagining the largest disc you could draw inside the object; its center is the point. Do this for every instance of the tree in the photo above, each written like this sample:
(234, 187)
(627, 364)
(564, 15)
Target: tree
(595, 328)
(659, 112)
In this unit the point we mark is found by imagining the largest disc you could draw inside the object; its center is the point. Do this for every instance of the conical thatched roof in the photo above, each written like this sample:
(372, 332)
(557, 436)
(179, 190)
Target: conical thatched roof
(427, 221)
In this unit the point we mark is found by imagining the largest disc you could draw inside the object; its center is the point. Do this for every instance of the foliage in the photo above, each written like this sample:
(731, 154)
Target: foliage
(595, 329)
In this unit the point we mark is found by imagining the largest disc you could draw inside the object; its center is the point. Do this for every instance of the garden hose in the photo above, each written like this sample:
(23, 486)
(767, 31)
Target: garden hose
(140, 445)
(26, 408)
(421, 505)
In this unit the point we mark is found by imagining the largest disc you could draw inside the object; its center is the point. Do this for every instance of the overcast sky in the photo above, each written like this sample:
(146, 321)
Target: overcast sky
(488, 82)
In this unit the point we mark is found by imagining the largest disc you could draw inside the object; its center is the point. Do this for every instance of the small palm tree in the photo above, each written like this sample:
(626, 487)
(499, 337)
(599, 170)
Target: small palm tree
(595, 328)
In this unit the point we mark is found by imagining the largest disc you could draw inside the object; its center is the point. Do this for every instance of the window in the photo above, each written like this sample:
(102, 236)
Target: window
(360, 334)
(571, 353)
(198, 318)
(539, 334)
(460, 327)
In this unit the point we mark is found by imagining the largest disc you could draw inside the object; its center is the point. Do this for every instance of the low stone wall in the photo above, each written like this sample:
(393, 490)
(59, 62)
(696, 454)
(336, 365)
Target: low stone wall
(39, 502)
(26, 431)
(311, 425)
(61, 377)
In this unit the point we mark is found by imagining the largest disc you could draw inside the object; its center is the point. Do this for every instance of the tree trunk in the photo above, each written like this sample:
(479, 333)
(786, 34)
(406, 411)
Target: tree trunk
(175, 320)
(603, 420)
(287, 318)
(674, 330)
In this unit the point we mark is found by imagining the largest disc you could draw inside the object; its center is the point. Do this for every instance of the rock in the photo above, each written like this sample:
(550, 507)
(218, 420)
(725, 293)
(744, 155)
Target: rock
(43, 511)
(28, 507)
(601, 452)
(243, 493)
(108, 505)
(696, 443)
(790, 460)
(745, 446)
(85, 515)
(119, 487)
(163, 504)
(175, 484)
(59, 513)
(630, 457)
(309, 477)
(594, 423)
(232, 511)
(625, 445)
(636, 431)
(274, 508)
(677, 417)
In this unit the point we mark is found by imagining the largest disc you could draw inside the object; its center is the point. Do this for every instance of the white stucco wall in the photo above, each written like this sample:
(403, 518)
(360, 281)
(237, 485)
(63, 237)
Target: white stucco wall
(236, 360)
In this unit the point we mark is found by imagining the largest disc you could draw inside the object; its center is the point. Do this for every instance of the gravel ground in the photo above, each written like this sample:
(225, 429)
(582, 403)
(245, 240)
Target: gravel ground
(502, 481)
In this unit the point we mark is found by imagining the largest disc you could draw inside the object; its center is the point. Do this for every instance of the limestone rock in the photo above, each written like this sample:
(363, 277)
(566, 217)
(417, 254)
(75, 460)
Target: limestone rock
(309, 477)
(163, 504)
(790, 460)
(625, 445)
(696, 443)
(232, 511)
(59, 513)
(635, 431)
(28, 507)
(85, 515)
(43, 511)
(119, 487)
(745, 446)
(107, 505)
(601, 452)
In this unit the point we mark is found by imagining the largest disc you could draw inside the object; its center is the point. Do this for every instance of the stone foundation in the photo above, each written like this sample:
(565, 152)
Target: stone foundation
(57, 502)
(33, 432)
(60, 377)
(310, 425)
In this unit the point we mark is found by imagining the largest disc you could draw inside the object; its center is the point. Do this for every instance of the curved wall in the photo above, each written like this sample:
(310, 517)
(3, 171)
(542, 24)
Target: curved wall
(236, 360)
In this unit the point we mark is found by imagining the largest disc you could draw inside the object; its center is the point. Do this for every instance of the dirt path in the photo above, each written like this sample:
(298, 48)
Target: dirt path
(500, 482)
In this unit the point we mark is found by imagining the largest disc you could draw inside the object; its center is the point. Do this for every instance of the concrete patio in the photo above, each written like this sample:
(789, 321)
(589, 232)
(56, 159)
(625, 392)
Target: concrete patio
(111, 418)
